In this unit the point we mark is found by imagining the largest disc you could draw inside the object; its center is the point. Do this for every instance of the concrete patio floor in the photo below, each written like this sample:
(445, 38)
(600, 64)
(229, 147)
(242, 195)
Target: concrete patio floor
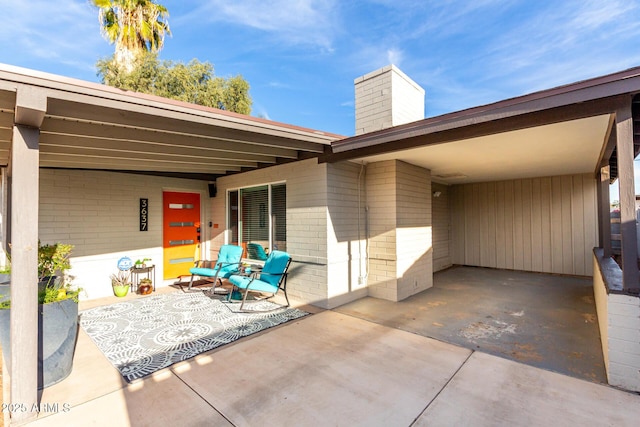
(543, 320)
(332, 369)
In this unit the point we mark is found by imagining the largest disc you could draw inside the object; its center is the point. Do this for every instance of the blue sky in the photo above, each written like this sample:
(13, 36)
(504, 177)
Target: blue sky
(301, 57)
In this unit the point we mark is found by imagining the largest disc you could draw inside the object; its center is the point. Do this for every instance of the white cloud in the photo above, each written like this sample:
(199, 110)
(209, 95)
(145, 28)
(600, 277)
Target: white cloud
(261, 112)
(300, 22)
(562, 42)
(395, 56)
(65, 32)
(278, 85)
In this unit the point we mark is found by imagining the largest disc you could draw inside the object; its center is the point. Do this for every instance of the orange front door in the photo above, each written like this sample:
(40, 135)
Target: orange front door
(181, 232)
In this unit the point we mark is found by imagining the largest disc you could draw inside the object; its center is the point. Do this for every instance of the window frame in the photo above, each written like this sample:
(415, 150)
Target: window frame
(270, 231)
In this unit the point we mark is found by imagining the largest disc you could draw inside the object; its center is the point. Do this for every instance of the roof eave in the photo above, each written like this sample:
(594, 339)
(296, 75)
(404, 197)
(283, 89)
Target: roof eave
(604, 87)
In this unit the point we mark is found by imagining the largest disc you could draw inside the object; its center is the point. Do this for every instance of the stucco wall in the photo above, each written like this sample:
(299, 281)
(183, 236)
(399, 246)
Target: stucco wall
(99, 213)
(541, 224)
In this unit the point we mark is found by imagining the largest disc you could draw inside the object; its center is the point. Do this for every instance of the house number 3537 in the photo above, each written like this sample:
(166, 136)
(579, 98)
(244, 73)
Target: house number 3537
(144, 214)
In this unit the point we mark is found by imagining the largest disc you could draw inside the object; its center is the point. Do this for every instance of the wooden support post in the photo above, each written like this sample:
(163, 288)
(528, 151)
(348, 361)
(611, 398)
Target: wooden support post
(604, 211)
(625, 154)
(24, 272)
(31, 105)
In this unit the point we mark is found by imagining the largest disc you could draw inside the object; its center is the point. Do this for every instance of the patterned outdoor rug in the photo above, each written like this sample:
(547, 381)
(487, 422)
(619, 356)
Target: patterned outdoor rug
(144, 335)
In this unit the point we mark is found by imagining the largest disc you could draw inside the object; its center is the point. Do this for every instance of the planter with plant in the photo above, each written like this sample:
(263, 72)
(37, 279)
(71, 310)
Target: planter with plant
(121, 282)
(57, 315)
(145, 287)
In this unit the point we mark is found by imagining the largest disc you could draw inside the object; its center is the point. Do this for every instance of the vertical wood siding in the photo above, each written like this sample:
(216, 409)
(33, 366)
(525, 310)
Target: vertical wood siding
(441, 228)
(539, 224)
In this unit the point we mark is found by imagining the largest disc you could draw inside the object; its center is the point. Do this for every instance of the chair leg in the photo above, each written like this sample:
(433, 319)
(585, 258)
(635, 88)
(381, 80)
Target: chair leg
(246, 292)
(216, 279)
(190, 283)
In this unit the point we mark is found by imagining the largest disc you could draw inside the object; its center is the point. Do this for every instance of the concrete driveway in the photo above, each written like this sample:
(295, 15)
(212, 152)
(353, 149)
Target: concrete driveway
(544, 320)
(336, 370)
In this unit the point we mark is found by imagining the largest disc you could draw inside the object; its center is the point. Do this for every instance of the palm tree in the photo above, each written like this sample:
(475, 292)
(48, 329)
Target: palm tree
(134, 26)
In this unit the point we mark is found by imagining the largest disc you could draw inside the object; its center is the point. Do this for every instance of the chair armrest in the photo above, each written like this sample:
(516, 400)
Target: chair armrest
(273, 274)
(220, 265)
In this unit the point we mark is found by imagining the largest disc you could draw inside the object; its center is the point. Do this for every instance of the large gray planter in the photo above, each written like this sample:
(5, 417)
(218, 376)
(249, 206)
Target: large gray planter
(58, 323)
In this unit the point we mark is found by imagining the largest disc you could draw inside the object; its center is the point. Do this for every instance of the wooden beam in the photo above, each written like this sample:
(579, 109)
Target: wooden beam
(120, 134)
(31, 106)
(240, 129)
(84, 162)
(24, 272)
(625, 155)
(144, 157)
(47, 140)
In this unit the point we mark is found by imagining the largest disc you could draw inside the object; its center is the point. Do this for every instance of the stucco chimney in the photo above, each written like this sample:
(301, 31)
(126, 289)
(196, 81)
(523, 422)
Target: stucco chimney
(386, 98)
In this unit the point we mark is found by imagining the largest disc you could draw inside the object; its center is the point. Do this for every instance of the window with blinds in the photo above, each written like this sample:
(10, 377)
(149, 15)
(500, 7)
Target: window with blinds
(279, 217)
(258, 219)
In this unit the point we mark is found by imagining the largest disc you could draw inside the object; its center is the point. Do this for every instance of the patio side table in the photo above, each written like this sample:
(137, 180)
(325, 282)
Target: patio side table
(149, 272)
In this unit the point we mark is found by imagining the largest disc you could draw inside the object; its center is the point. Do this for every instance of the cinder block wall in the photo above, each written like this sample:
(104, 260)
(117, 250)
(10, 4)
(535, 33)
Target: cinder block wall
(399, 203)
(414, 234)
(99, 213)
(306, 222)
(619, 321)
(381, 197)
(346, 238)
(624, 342)
(386, 97)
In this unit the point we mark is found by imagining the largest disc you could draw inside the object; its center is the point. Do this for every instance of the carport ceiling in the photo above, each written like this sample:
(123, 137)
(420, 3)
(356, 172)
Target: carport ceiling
(564, 148)
(90, 126)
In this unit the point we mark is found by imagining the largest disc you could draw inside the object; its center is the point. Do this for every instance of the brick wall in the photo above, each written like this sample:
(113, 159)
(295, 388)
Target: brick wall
(98, 212)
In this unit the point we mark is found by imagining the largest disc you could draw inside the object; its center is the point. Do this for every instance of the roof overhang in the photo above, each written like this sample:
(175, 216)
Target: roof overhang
(91, 126)
(554, 132)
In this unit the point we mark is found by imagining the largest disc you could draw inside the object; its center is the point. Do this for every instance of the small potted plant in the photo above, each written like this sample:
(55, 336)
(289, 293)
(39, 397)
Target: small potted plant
(121, 282)
(145, 287)
(141, 263)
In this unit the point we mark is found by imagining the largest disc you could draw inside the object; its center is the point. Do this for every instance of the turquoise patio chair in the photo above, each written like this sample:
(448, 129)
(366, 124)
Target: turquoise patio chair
(270, 279)
(256, 251)
(228, 263)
